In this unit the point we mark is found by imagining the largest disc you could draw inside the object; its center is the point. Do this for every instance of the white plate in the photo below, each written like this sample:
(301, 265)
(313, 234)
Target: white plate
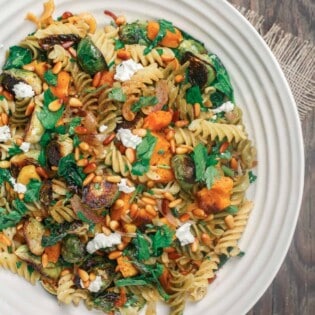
(272, 121)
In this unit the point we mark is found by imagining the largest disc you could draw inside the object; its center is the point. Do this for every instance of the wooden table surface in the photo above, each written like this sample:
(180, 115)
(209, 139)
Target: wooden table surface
(293, 290)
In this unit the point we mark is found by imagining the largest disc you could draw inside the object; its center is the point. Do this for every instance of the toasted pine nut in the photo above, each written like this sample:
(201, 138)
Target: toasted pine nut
(80, 130)
(21, 196)
(88, 179)
(83, 275)
(86, 284)
(29, 67)
(5, 240)
(4, 118)
(41, 172)
(119, 203)
(181, 123)
(181, 150)
(184, 217)
(120, 20)
(167, 195)
(57, 67)
(179, 78)
(82, 162)
(170, 134)
(175, 203)
(173, 146)
(149, 201)
(229, 221)
(130, 155)
(91, 167)
(109, 139)
(18, 141)
(130, 227)
(92, 276)
(45, 260)
(8, 95)
(114, 255)
(106, 231)
(54, 168)
(199, 213)
(194, 246)
(150, 183)
(113, 179)
(114, 225)
(76, 154)
(84, 146)
(141, 132)
(122, 246)
(30, 108)
(107, 220)
(166, 58)
(134, 207)
(96, 79)
(5, 164)
(97, 179)
(65, 272)
(196, 110)
(150, 209)
(45, 86)
(55, 105)
(206, 239)
(123, 54)
(75, 102)
(72, 52)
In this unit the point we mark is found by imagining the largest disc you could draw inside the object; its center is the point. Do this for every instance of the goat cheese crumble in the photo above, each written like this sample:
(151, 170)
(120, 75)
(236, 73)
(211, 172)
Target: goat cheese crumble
(22, 90)
(122, 186)
(128, 139)
(5, 133)
(102, 241)
(184, 235)
(95, 285)
(102, 128)
(25, 146)
(225, 107)
(126, 69)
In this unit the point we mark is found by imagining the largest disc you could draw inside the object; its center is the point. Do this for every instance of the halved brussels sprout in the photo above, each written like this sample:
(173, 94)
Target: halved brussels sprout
(9, 78)
(72, 249)
(33, 233)
(90, 57)
(200, 72)
(184, 169)
(60, 39)
(193, 46)
(133, 33)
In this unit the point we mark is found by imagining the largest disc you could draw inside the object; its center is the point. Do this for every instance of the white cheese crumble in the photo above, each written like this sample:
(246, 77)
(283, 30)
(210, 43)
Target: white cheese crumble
(128, 139)
(184, 235)
(25, 146)
(225, 107)
(102, 128)
(122, 186)
(126, 69)
(95, 285)
(22, 90)
(5, 133)
(19, 188)
(102, 241)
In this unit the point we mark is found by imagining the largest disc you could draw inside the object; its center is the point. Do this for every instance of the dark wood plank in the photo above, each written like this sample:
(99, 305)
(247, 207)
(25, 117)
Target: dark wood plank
(293, 289)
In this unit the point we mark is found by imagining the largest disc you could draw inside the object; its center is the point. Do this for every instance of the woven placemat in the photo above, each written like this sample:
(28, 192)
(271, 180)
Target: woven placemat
(296, 58)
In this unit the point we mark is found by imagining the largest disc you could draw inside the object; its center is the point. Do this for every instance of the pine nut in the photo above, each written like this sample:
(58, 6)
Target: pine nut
(123, 54)
(88, 179)
(167, 195)
(4, 118)
(120, 20)
(206, 239)
(173, 146)
(5, 164)
(106, 231)
(114, 225)
(114, 255)
(76, 154)
(166, 58)
(196, 110)
(199, 213)
(75, 102)
(84, 146)
(30, 108)
(57, 67)
(107, 220)
(29, 67)
(119, 203)
(80, 130)
(72, 52)
(181, 123)
(181, 150)
(122, 246)
(83, 275)
(64, 272)
(150, 210)
(92, 276)
(86, 284)
(150, 183)
(41, 172)
(55, 105)
(175, 203)
(194, 246)
(91, 167)
(149, 201)
(141, 132)
(96, 79)
(18, 141)
(45, 86)
(113, 179)
(170, 135)
(82, 162)
(130, 155)
(109, 139)
(229, 221)
(179, 78)
(5, 240)
(130, 227)
(184, 217)
(45, 260)
(97, 179)
(21, 196)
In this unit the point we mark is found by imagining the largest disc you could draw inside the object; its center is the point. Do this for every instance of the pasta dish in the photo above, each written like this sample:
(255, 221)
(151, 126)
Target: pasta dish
(124, 163)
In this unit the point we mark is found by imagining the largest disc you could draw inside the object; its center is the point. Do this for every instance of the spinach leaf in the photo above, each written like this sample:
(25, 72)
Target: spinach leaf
(48, 118)
(119, 44)
(144, 101)
(18, 57)
(5, 175)
(231, 209)
(72, 124)
(50, 78)
(210, 175)
(200, 159)
(143, 153)
(33, 189)
(142, 246)
(161, 239)
(14, 150)
(117, 94)
(193, 95)
(68, 169)
(252, 177)
(14, 216)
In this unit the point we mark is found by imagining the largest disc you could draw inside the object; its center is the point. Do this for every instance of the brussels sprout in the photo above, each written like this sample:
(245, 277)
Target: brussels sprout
(72, 249)
(90, 57)
(48, 42)
(133, 33)
(51, 270)
(193, 46)
(200, 72)
(100, 195)
(184, 169)
(53, 153)
(33, 233)
(45, 193)
(9, 78)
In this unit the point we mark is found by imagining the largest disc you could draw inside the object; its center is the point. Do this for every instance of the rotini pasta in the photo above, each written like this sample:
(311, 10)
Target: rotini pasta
(124, 163)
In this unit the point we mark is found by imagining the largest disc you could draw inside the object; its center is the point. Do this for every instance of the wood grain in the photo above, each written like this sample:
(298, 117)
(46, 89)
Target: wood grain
(293, 290)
